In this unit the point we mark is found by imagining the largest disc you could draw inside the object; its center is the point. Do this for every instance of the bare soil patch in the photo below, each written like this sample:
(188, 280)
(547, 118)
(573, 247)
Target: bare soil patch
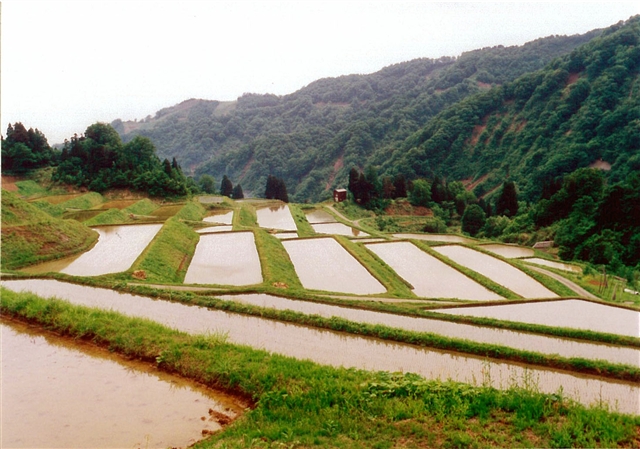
(405, 208)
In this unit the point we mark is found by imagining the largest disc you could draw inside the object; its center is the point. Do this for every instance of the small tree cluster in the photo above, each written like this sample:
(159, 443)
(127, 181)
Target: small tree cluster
(227, 189)
(24, 150)
(276, 189)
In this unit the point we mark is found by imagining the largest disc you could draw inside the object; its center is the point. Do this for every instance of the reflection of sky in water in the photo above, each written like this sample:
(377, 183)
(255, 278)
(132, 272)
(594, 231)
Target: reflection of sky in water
(497, 270)
(117, 248)
(503, 337)
(320, 216)
(508, 251)
(572, 313)
(339, 229)
(430, 277)
(228, 259)
(340, 349)
(225, 219)
(323, 264)
(278, 217)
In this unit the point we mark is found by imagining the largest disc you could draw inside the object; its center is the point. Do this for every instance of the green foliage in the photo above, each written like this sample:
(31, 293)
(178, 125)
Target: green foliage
(507, 203)
(473, 220)
(25, 150)
(100, 161)
(192, 211)
(420, 193)
(207, 183)
(226, 187)
(276, 189)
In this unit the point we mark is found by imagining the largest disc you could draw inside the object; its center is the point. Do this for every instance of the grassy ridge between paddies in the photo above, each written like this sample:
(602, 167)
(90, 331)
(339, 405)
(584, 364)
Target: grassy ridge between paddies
(30, 235)
(277, 268)
(302, 404)
(167, 257)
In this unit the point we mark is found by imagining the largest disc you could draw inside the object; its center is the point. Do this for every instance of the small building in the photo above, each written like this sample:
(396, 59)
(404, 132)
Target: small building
(339, 195)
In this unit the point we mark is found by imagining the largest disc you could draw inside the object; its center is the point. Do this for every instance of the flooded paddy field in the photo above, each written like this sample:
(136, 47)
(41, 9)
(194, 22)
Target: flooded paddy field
(497, 270)
(225, 218)
(553, 264)
(323, 264)
(57, 392)
(338, 229)
(430, 277)
(571, 313)
(225, 258)
(118, 204)
(320, 216)
(116, 250)
(481, 334)
(81, 215)
(277, 217)
(339, 349)
(508, 251)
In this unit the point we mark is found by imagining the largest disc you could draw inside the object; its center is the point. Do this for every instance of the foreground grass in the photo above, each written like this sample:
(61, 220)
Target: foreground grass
(302, 404)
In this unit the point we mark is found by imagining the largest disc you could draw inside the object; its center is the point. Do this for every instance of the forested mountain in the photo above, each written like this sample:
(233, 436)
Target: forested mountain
(313, 137)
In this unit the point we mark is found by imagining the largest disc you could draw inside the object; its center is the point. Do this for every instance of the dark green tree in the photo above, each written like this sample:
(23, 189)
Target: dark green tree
(473, 219)
(226, 187)
(237, 194)
(207, 183)
(507, 202)
(420, 194)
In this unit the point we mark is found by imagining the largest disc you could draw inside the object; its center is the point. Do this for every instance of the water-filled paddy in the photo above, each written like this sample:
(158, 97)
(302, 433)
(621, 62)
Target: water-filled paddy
(553, 264)
(118, 204)
(320, 216)
(117, 248)
(224, 219)
(496, 270)
(571, 313)
(339, 349)
(226, 258)
(448, 238)
(508, 251)
(59, 393)
(430, 277)
(512, 339)
(277, 217)
(323, 264)
(338, 229)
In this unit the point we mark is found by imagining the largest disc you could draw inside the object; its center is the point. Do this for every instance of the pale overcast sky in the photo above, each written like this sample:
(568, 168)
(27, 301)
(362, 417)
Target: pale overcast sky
(68, 64)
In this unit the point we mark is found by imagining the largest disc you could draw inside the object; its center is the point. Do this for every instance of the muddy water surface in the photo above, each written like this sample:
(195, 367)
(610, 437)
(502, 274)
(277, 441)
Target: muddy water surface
(320, 216)
(338, 229)
(571, 313)
(323, 264)
(227, 258)
(222, 228)
(278, 217)
(430, 277)
(57, 393)
(339, 349)
(496, 270)
(508, 251)
(225, 218)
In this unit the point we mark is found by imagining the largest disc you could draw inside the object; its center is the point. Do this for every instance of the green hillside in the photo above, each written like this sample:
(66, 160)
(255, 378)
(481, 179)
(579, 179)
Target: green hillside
(311, 138)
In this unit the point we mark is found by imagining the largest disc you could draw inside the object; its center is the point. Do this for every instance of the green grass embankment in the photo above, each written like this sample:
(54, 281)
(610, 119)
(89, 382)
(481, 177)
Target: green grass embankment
(277, 268)
(166, 259)
(302, 404)
(304, 228)
(30, 235)
(142, 207)
(110, 216)
(87, 201)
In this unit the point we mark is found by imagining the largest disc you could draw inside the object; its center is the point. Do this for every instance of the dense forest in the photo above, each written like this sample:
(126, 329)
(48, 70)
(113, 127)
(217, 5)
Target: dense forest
(313, 137)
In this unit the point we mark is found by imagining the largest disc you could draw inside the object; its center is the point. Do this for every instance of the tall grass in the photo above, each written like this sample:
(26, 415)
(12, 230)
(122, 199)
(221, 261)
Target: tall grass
(277, 268)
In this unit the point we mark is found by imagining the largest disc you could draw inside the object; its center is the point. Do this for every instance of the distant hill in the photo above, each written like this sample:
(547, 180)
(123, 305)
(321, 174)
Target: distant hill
(313, 137)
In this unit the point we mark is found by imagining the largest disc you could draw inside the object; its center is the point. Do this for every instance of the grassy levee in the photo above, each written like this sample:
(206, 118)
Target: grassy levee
(192, 211)
(87, 201)
(142, 207)
(30, 188)
(277, 268)
(167, 257)
(395, 285)
(110, 216)
(304, 227)
(30, 235)
(245, 217)
(480, 279)
(302, 404)
(54, 210)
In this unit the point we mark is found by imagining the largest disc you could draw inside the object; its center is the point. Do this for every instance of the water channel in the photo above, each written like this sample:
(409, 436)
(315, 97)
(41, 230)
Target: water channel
(346, 350)
(60, 393)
